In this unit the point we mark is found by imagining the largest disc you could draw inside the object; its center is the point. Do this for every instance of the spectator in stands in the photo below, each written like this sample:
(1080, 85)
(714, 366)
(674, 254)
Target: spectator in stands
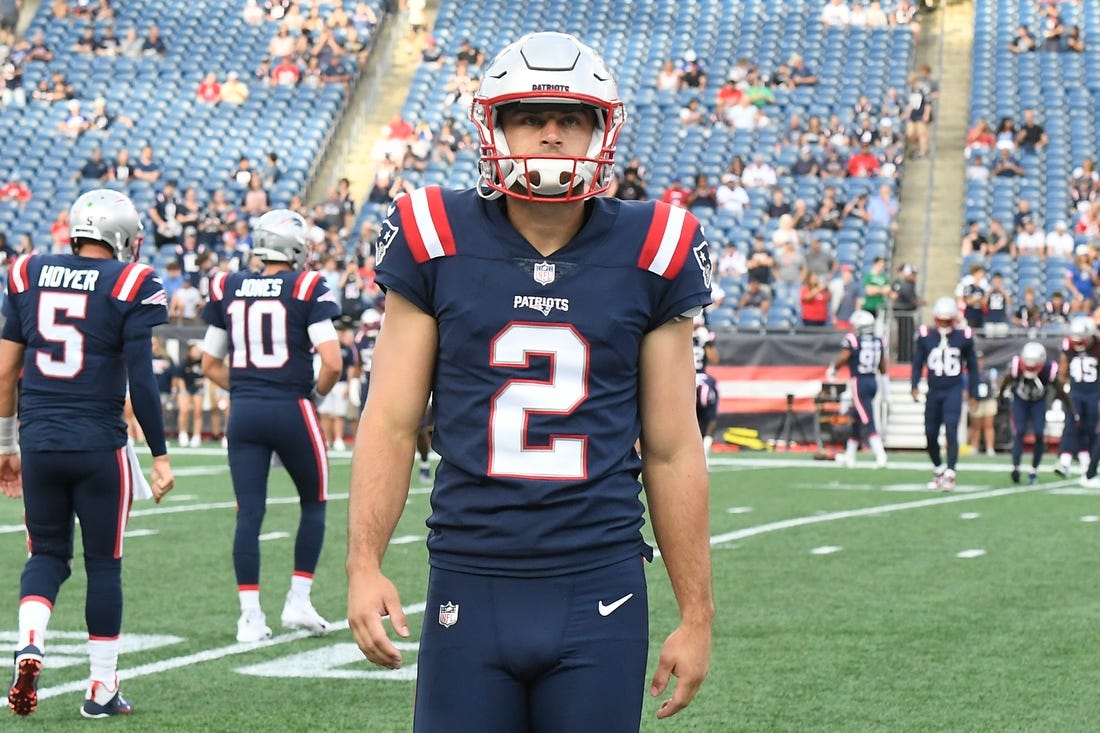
(790, 268)
(185, 306)
(16, 190)
(109, 44)
(1054, 30)
(38, 50)
(56, 89)
(631, 188)
(1081, 282)
(778, 206)
(785, 233)
(819, 260)
(255, 201)
(731, 263)
(379, 192)
(1031, 240)
(755, 296)
(857, 18)
(1088, 223)
(209, 90)
(87, 43)
(806, 164)
(131, 46)
(1056, 311)
(167, 228)
(1060, 242)
(233, 91)
(836, 13)
(832, 165)
(759, 173)
(995, 307)
(243, 174)
(1006, 134)
(677, 192)
(731, 197)
(830, 211)
(875, 15)
(469, 53)
(1075, 42)
(974, 242)
(980, 138)
(286, 72)
(845, 296)
(801, 74)
(1023, 41)
(1006, 165)
(172, 279)
(976, 169)
(154, 44)
(189, 253)
(364, 20)
(1022, 215)
(1029, 313)
(336, 70)
(800, 214)
(863, 163)
(252, 14)
(59, 233)
(94, 171)
(146, 169)
(923, 93)
(998, 241)
(190, 211)
(9, 15)
(883, 208)
(1031, 137)
(857, 208)
(736, 166)
(693, 73)
(905, 301)
(971, 291)
(668, 77)
(431, 55)
(101, 120)
(876, 287)
(11, 85)
(741, 116)
(814, 297)
(692, 113)
(702, 195)
(121, 169)
(760, 263)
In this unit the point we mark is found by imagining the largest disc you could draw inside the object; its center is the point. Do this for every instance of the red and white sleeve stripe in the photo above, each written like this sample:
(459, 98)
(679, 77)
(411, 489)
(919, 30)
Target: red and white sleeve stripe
(424, 221)
(668, 241)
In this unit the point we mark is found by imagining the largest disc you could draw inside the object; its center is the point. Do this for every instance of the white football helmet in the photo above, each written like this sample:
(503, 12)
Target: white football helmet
(371, 320)
(1082, 329)
(109, 217)
(547, 68)
(945, 312)
(280, 236)
(1032, 357)
(863, 322)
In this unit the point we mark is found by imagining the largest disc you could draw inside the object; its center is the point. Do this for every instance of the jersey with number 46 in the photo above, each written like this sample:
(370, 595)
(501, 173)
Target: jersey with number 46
(267, 318)
(536, 382)
(944, 358)
(73, 314)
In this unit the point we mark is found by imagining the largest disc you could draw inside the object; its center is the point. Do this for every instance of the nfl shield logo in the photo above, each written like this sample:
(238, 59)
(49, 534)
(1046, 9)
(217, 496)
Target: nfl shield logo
(544, 273)
(448, 612)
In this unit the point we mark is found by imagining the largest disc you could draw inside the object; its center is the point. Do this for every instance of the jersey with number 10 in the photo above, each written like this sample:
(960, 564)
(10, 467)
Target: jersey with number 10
(267, 319)
(535, 394)
(945, 357)
(73, 314)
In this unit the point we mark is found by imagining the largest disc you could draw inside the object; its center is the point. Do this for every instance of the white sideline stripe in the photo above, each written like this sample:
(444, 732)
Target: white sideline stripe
(207, 656)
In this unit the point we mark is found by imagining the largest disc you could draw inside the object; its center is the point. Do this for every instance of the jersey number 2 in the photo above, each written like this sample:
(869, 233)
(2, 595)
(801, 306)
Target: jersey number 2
(567, 387)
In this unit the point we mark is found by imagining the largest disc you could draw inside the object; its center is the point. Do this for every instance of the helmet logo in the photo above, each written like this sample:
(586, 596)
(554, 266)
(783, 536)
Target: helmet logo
(549, 87)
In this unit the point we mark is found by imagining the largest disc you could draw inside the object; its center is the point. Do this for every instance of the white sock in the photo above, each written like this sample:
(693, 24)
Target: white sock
(1083, 457)
(301, 585)
(1065, 459)
(34, 618)
(876, 445)
(103, 658)
(851, 447)
(708, 441)
(250, 599)
(949, 473)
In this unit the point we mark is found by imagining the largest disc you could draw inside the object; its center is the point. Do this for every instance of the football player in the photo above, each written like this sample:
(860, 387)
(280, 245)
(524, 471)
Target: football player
(269, 323)
(333, 409)
(706, 388)
(1079, 364)
(79, 326)
(945, 351)
(365, 338)
(499, 304)
(1031, 376)
(862, 352)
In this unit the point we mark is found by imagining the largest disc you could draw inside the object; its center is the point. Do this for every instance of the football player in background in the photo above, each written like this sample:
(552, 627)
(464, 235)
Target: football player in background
(364, 340)
(1031, 377)
(79, 326)
(706, 388)
(863, 353)
(945, 352)
(499, 305)
(1079, 364)
(269, 323)
(333, 409)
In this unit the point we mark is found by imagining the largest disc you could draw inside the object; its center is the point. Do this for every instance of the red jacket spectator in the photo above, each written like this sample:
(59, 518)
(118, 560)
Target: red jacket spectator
(676, 194)
(15, 191)
(286, 72)
(863, 163)
(210, 91)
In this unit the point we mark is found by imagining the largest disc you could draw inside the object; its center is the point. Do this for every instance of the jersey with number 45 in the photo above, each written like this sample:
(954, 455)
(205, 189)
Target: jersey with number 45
(1083, 368)
(535, 393)
(945, 357)
(73, 314)
(267, 319)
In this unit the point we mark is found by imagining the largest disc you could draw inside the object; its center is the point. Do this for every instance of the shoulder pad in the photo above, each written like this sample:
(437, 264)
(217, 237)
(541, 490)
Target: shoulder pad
(668, 240)
(923, 330)
(217, 285)
(130, 280)
(306, 283)
(424, 221)
(17, 278)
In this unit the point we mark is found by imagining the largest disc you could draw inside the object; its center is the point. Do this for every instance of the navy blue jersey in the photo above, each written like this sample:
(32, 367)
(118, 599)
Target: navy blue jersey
(348, 359)
(267, 319)
(1031, 387)
(944, 357)
(191, 373)
(1083, 367)
(536, 378)
(996, 308)
(364, 345)
(865, 355)
(165, 370)
(73, 314)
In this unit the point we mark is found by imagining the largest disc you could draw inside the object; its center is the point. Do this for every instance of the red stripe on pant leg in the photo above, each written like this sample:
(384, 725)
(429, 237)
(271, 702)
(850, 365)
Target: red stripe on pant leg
(36, 599)
(303, 574)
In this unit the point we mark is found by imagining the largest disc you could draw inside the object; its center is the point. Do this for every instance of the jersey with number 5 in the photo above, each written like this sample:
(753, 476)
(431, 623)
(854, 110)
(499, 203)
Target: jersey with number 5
(535, 395)
(267, 319)
(945, 358)
(73, 314)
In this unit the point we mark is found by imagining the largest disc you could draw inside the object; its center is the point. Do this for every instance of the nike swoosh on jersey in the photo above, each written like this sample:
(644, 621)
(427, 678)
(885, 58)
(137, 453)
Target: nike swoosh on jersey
(610, 608)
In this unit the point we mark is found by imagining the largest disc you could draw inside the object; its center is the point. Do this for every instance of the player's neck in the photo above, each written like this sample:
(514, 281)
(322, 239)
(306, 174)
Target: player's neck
(274, 269)
(547, 227)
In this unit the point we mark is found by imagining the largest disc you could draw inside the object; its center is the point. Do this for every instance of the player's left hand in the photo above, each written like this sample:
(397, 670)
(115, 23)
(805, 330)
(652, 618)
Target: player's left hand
(162, 479)
(686, 656)
(11, 475)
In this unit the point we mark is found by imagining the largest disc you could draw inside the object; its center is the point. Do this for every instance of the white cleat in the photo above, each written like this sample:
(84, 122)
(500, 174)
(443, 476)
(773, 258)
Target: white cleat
(1090, 483)
(936, 483)
(298, 613)
(880, 462)
(185, 440)
(252, 626)
(196, 440)
(849, 460)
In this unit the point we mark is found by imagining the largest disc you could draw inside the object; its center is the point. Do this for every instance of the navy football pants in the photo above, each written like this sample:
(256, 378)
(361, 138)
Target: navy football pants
(1028, 416)
(534, 655)
(862, 412)
(97, 488)
(288, 428)
(1080, 433)
(943, 407)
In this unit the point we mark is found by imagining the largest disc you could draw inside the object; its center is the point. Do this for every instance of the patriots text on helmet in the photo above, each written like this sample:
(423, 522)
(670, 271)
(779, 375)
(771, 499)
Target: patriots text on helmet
(269, 287)
(55, 276)
(549, 87)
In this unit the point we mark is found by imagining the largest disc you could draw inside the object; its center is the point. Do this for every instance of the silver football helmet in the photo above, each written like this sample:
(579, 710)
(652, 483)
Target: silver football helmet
(109, 217)
(863, 322)
(547, 68)
(280, 236)
(945, 312)
(1082, 330)
(1032, 357)
(370, 321)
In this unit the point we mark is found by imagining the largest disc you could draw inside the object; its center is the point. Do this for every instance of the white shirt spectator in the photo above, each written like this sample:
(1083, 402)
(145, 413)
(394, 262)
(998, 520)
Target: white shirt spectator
(731, 196)
(836, 13)
(758, 173)
(1031, 243)
(967, 281)
(1060, 242)
(742, 116)
(732, 263)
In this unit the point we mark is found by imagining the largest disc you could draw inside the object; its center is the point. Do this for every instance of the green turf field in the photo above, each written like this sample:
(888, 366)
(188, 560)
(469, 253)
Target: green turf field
(848, 600)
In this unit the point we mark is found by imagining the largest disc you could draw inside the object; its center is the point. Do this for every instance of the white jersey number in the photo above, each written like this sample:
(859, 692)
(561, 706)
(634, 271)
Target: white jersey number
(250, 322)
(509, 452)
(71, 362)
(945, 362)
(1082, 369)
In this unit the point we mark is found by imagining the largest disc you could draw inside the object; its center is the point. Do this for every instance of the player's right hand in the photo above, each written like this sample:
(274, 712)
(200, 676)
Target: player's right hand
(11, 475)
(916, 395)
(162, 479)
(371, 596)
